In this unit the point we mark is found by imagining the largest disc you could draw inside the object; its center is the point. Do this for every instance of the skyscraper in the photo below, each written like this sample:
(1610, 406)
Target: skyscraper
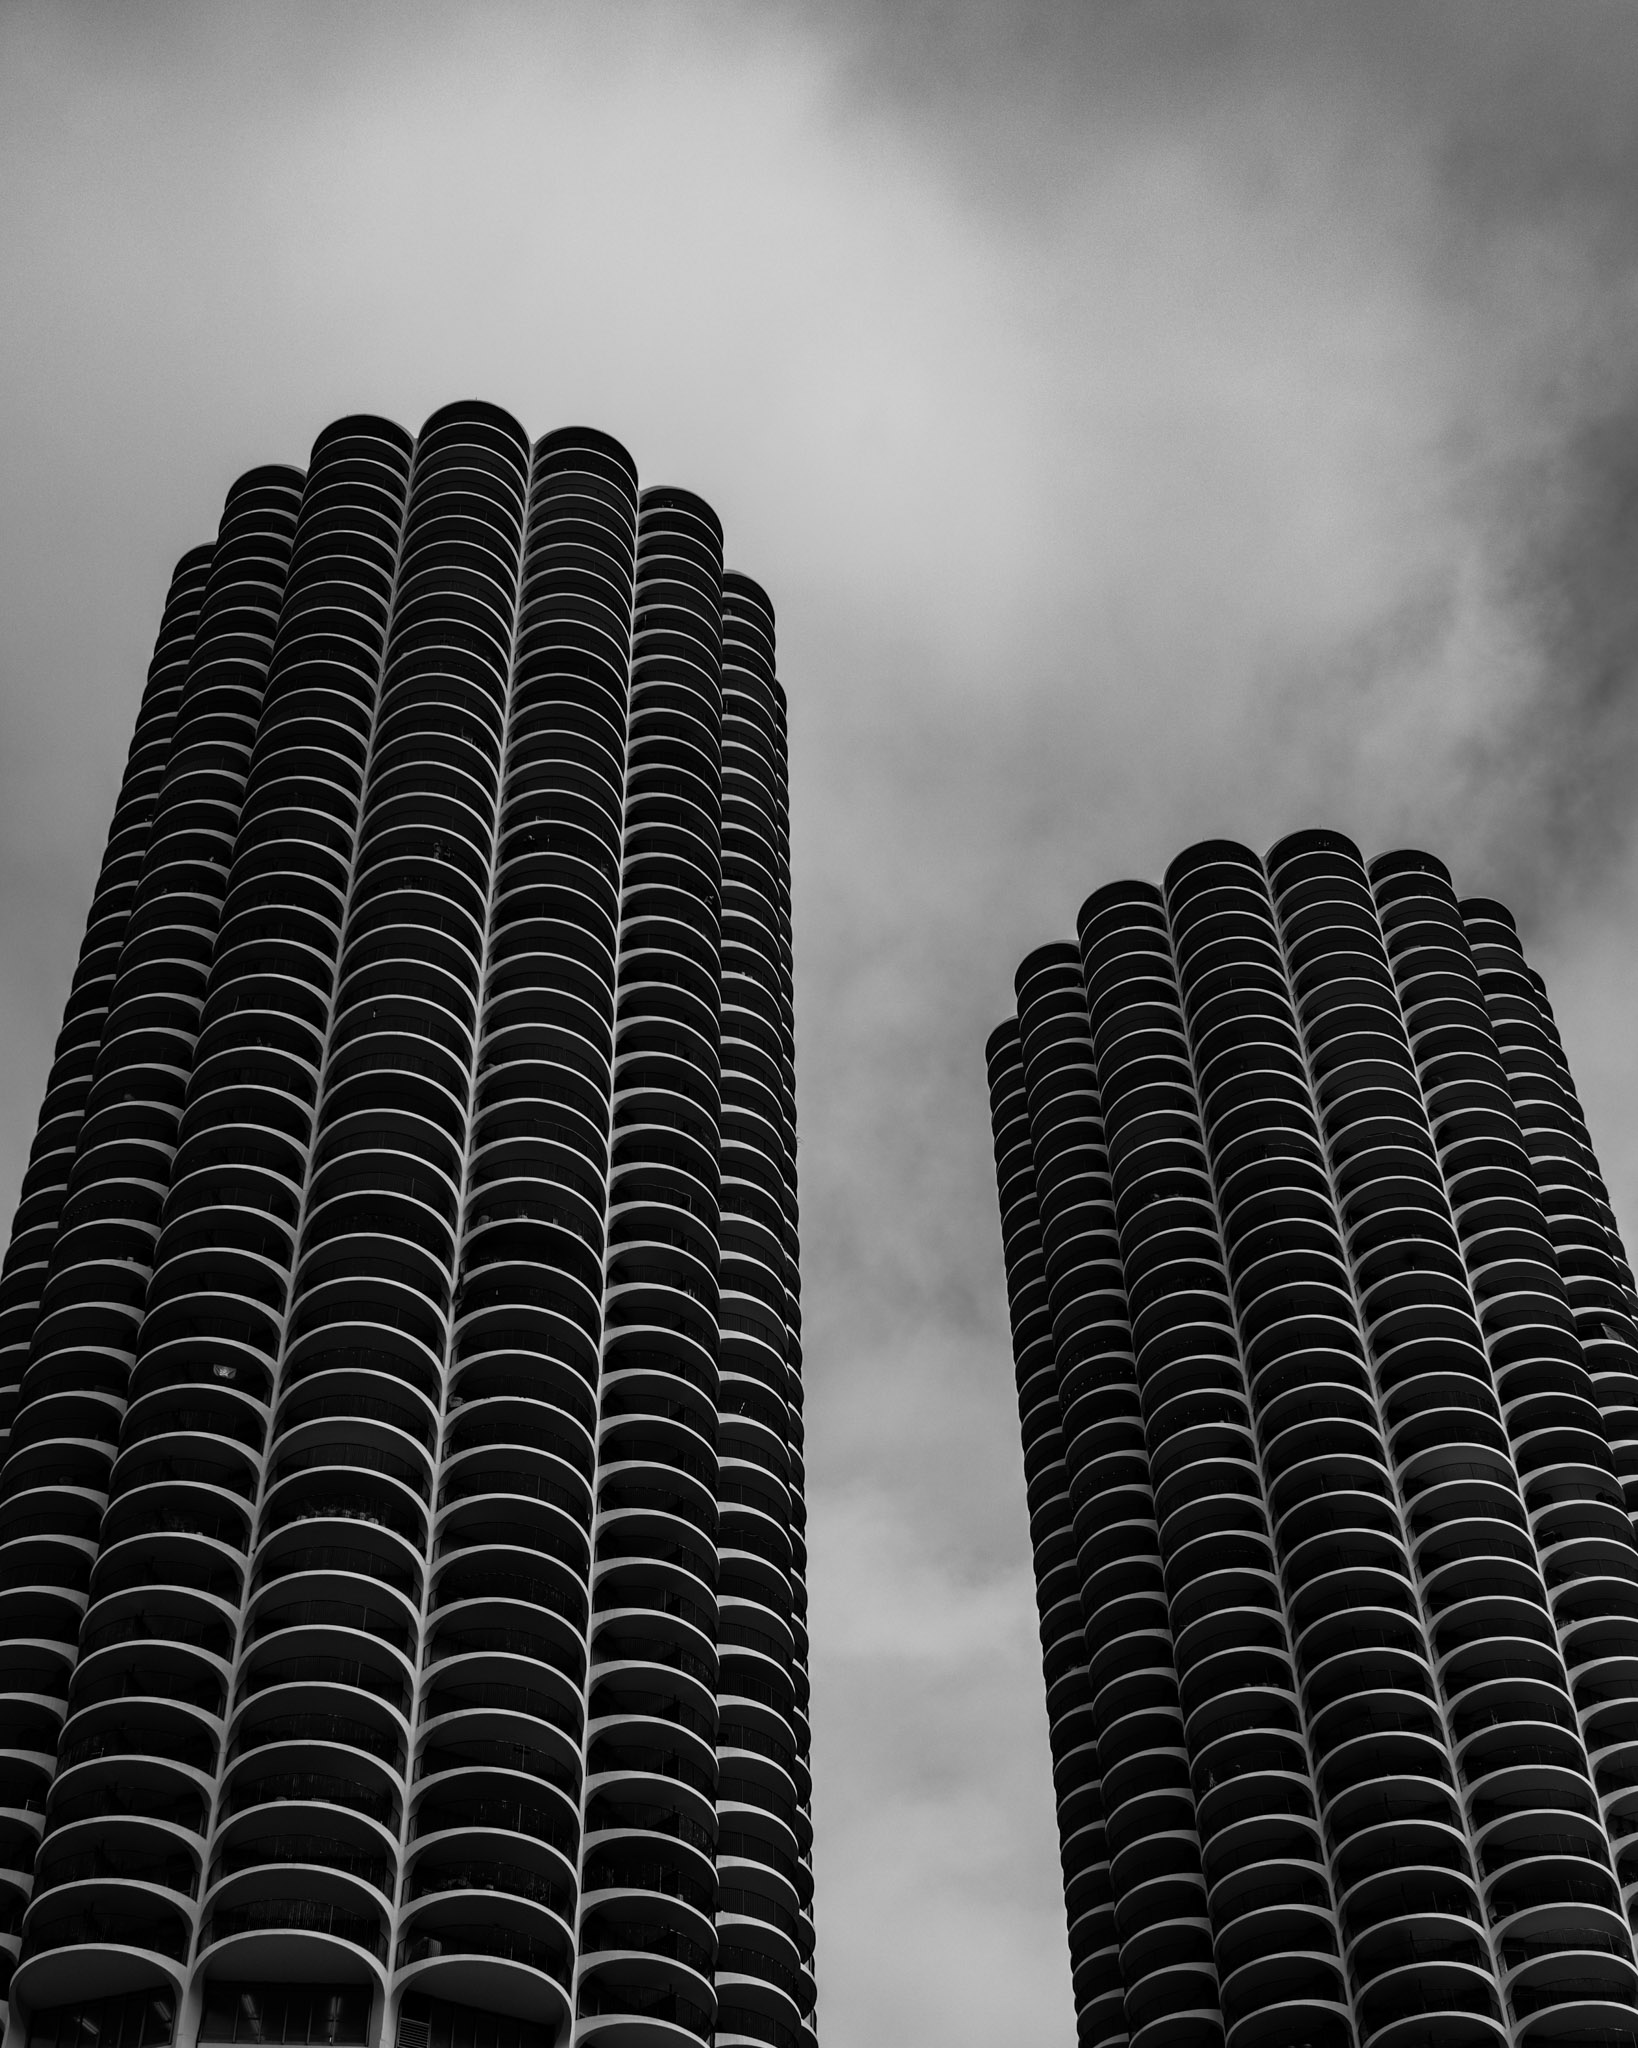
(401, 1563)
(1328, 1376)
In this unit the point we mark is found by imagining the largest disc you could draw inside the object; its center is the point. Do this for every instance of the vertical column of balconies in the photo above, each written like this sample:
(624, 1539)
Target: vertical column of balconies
(1178, 1334)
(801, 1707)
(205, 1379)
(1565, 1945)
(1083, 1842)
(1575, 1206)
(126, 1824)
(1375, 1737)
(1598, 1280)
(648, 1879)
(1097, 1544)
(1539, 1073)
(1593, 1264)
(801, 1716)
(1583, 1148)
(801, 1722)
(74, 1391)
(40, 1625)
(1082, 1837)
(1407, 1886)
(1254, 1795)
(764, 1977)
(39, 1208)
(1046, 1476)
(1482, 1607)
(498, 1755)
(339, 1566)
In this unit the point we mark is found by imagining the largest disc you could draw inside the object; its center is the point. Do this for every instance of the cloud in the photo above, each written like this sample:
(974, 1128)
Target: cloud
(931, 1685)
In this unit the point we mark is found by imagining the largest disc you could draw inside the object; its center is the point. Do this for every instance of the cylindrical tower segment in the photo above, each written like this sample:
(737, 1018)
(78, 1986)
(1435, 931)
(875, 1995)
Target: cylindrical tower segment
(648, 1878)
(165, 1613)
(327, 1664)
(1386, 1371)
(1454, 1482)
(1567, 1963)
(1177, 1301)
(499, 1757)
(1096, 1542)
(39, 1209)
(39, 1625)
(210, 1348)
(1375, 1738)
(763, 1970)
(1250, 1771)
(1315, 1427)
(76, 1386)
(405, 1705)
(1592, 1263)
(1574, 1201)
(1082, 1840)
(738, 597)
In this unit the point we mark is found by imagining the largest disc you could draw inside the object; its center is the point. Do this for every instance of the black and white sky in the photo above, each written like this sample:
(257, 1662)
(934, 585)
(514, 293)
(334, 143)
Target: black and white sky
(1151, 421)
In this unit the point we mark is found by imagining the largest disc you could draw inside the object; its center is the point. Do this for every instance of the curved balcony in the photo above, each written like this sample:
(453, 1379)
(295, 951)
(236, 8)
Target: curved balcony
(314, 1770)
(326, 1652)
(310, 1454)
(480, 1934)
(642, 1998)
(762, 1989)
(1566, 1181)
(306, 1832)
(488, 1561)
(526, 1879)
(346, 1530)
(293, 1922)
(311, 1715)
(353, 1386)
(107, 1854)
(332, 1600)
(94, 1939)
(169, 1447)
(648, 1856)
(508, 1681)
(141, 1724)
(351, 1484)
(458, 1952)
(484, 1798)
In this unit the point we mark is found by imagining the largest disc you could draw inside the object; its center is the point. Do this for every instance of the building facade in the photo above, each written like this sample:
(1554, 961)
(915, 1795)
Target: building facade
(1328, 1376)
(402, 1604)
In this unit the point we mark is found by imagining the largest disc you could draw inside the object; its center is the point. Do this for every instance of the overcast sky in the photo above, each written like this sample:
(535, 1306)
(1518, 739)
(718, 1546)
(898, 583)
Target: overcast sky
(1150, 422)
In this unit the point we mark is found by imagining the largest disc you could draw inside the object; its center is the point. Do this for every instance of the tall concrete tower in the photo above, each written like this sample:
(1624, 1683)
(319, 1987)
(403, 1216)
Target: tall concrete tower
(1328, 1373)
(402, 1605)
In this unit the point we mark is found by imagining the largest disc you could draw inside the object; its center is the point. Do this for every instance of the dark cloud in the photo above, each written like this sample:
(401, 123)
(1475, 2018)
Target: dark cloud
(1484, 153)
(1554, 778)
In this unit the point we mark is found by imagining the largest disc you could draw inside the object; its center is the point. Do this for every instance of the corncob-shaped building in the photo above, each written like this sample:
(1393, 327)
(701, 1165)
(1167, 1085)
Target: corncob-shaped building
(1328, 1376)
(402, 1610)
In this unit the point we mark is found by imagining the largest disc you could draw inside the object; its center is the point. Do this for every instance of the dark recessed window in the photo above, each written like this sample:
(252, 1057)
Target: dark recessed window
(433, 2023)
(141, 2019)
(283, 2013)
